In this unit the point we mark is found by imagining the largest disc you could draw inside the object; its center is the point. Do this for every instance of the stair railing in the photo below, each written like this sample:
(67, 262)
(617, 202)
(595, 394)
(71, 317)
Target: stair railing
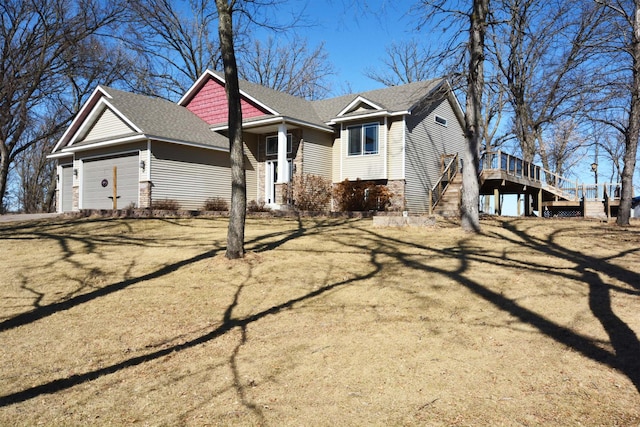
(448, 174)
(554, 183)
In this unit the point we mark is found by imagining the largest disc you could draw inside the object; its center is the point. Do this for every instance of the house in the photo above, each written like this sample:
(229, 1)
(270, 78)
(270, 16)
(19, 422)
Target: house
(140, 149)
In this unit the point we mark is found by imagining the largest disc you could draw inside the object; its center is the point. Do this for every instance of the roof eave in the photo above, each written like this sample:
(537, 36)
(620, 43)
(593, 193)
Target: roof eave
(85, 109)
(274, 120)
(134, 138)
(375, 114)
(91, 146)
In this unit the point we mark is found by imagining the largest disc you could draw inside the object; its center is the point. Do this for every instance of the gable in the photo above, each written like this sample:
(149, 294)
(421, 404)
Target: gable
(360, 105)
(107, 125)
(210, 104)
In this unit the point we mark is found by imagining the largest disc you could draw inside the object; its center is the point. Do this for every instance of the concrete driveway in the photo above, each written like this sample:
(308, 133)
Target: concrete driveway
(26, 217)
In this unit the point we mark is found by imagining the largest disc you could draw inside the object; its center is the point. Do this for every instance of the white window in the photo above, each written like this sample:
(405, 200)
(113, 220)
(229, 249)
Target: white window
(272, 144)
(441, 121)
(363, 139)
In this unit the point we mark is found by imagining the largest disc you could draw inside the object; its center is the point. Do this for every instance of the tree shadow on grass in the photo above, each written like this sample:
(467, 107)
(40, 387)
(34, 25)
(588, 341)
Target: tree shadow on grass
(623, 339)
(228, 323)
(260, 243)
(377, 244)
(91, 243)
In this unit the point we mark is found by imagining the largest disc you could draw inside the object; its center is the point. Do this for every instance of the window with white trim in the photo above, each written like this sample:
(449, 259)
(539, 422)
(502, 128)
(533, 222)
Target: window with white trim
(363, 139)
(272, 144)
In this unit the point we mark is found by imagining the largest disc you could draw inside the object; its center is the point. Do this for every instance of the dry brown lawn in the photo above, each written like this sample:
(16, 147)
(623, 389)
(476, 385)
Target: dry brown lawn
(326, 322)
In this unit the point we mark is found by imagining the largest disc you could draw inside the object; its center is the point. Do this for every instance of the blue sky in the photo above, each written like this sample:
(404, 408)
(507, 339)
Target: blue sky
(355, 34)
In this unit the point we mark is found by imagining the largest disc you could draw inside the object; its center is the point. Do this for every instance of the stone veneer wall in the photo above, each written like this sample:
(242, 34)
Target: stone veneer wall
(145, 194)
(396, 187)
(75, 204)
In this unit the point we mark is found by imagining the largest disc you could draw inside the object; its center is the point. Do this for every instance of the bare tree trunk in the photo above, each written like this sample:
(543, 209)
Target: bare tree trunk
(237, 213)
(4, 174)
(470, 215)
(633, 129)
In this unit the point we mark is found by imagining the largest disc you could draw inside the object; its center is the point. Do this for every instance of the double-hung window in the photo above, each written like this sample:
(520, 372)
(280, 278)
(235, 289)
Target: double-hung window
(272, 144)
(363, 139)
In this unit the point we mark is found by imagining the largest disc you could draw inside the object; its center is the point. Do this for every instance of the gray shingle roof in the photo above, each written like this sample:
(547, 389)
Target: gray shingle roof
(164, 119)
(284, 104)
(392, 99)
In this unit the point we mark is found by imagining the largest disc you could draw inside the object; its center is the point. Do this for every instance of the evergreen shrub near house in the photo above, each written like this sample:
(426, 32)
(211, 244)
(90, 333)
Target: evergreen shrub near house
(311, 192)
(359, 195)
(165, 205)
(216, 204)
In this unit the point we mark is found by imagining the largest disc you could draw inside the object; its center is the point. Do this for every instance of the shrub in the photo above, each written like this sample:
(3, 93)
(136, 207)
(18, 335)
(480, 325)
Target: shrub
(259, 206)
(311, 192)
(216, 204)
(361, 196)
(165, 205)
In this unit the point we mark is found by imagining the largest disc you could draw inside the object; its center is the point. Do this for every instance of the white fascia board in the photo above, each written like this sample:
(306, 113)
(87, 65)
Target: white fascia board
(456, 104)
(306, 124)
(188, 143)
(133, 138)
(359, 100)
(59, 155)
(95, 112)
(98, 91)
(196, 86)
(272, 121)
(200, 82)
(376, 114)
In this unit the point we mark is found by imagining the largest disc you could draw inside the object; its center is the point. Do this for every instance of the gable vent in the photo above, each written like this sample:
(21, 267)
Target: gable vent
(441, 121)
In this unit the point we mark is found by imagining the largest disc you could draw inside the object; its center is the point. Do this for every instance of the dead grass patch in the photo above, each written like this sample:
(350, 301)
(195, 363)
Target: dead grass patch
(325, 322)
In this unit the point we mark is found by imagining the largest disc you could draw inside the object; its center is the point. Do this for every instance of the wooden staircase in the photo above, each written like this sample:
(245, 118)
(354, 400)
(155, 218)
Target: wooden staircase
(449, 204)
(594, 209)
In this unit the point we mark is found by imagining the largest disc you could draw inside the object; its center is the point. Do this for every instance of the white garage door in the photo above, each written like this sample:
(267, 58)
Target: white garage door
(66, 188)
(97, 180)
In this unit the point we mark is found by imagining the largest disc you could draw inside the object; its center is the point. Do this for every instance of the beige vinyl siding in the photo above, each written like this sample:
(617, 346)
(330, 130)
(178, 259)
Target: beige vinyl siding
(251, 165)
(189, 175)
(427, 142)
(108, 125)
(396, 149)
(369, 166)
(336, 158)
(317, 153)
(66, 188)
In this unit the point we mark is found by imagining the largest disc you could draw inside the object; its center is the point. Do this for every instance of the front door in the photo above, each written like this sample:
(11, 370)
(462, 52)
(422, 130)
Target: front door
(271, 179)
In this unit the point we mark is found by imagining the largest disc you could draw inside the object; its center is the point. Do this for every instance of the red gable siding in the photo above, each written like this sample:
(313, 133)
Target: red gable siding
(210, 104)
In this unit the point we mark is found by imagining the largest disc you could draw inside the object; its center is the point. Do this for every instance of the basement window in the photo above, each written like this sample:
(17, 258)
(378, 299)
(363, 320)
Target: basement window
(441, 121)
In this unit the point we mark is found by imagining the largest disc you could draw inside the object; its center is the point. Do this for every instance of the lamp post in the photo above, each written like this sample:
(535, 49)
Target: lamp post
(594, 169)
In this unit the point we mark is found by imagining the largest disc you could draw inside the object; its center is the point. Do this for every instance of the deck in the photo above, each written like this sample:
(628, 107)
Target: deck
(544, 191)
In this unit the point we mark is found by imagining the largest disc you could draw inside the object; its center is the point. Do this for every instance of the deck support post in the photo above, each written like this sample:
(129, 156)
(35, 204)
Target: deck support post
(518, 203)
(527, 204)
(540, 212)
(496, 201)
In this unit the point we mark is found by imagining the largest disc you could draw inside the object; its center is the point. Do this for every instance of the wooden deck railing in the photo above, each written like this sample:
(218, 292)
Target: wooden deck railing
(514, 166)
(450, 169)
(551, 181)
(603, 191)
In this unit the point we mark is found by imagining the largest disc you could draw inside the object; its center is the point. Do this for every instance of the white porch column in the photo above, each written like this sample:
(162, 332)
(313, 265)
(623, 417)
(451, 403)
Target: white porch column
(283, 166)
